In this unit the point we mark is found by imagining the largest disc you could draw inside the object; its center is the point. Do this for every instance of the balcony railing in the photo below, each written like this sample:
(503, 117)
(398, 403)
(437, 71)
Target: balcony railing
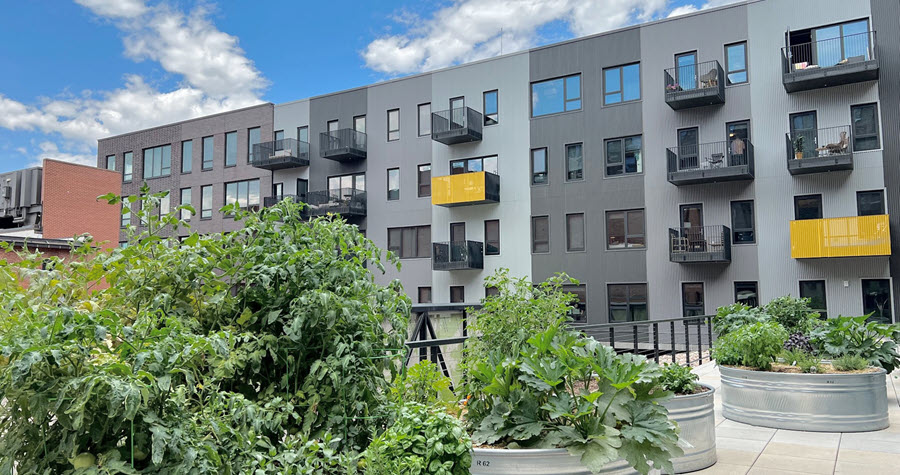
(280, 154)
(270, 201)
(695, 85)
(458, 125)
(343, 145)
(699, 244)
(465, 189)
(711, 162)
(819, 150)
(830, 62)
(852, 236)
(347, 202)
(457, 255)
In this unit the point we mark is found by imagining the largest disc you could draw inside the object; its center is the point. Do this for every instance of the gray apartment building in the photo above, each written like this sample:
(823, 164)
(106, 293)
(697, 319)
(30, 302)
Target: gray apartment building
(736, 154)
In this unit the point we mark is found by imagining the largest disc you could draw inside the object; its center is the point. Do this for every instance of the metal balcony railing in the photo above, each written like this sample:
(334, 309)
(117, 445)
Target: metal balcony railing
(459, 125)
(280, 154)
(343, 145)
(344, 201)
(457, 255)
(698, 244)
(694, 85)
(829, 62)
(270, 201)
(729, 160)
(462, 189)
(819, 150)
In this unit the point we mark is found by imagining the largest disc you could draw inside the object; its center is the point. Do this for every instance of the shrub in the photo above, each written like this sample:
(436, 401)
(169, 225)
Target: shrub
(798, 341)
(850, 363)
(731, 317)
(679, 379)
(420, 441)
(807, 362)
(755, 345)
(792, 313)
(855, 336)
(423, 383)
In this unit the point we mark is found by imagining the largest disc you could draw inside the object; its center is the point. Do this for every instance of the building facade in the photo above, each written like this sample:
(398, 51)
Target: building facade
(671, 167)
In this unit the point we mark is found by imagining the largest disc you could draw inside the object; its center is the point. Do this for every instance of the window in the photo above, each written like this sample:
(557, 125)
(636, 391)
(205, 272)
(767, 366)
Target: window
(491, 292)
(692, 299)
(208, 145)
(346, 183)
(877, 300)
(128, 167)
(457, 294)
(814, 290)
(410, 242)
(578, 312)
(393, 184)
(574, 162)
(244, 193)
(575, 232)
(424, 119)
(278, 190)
(126, 212)
(539, 175)
(865, 127)
(540, 234)
(185, 200)
(869, 203)
(253, 138)
(302, 188)
(470, 165)
(110, 162)
(808, 207)
(623, 156)
(187, 155)
(424, 180)
(157, 161)
(393, 125)
(627, 302)
(736, 63)
(165, 205)
(492, 237)
(491, 108)
(622, 84)
(332, 126)
(742, 225)
(279, 136)
(303, 134)
(359, 123)
(206, 199)
(231, 148)
(746, 293)
(424, 294)
(556, 95)
(625, 229)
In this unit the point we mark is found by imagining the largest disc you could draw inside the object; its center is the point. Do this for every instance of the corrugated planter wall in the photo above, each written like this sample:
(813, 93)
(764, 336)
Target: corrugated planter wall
(536, 462)
(696, 419)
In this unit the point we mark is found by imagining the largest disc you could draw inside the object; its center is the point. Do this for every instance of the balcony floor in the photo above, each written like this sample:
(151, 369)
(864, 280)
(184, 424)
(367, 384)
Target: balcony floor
(746, 449)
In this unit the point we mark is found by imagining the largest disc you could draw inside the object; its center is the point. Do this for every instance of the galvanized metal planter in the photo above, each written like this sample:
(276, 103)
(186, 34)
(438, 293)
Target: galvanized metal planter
(696, 418)
(808, 402)
(536, 462)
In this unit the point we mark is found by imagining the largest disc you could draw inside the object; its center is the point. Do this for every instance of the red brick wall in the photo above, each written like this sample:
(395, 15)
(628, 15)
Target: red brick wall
(70, 205)
(48, 252)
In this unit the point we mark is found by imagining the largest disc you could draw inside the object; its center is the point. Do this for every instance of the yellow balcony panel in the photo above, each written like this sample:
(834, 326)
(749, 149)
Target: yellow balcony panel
(465, 189)
(852, 236)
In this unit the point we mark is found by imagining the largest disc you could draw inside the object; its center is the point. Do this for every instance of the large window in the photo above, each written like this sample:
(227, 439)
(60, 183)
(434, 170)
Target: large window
(206, 202)
(244, 193)
(424, 294)
(814, 290)
(347, 183)
(622, 84)
(423, 176)
(869, 203)
(185, 200)
(231, 149)
(623, 156)
(808, 207)
(627, 302)
(540, 234)
(539, 174)
(469, 165)
(303, 134)
(187, 155)
(410, 242)
(253, 138)
(736, 63)
(208, 148)
(457, 294)
(578, 312)
(393, 184)
(424, 119)
(575, 232)
(393, 125)
(359, 123)
(746, 293)
(491, 108)
(865, 127)
(556, 95)
(574, 162)
(876, 295)
(692, 299)
(157, 161)
(128, 167)
(742, 224)
(492, 237)
(110, 162)
(625, 229)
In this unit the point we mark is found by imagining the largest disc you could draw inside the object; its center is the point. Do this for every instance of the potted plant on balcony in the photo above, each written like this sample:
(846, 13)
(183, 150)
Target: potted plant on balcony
(798, 147)
(673, 87)
(692, 409)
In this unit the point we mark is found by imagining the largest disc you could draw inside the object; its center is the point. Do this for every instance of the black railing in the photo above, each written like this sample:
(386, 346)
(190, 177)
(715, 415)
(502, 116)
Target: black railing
(270, 201)
(457, 255)
(694, 85)
(700, 244)
(816, 143)
(280, 154)
(344, 201)
(707, 156)
(685, 341)
(342, 144)
(829, 53)
(451, 126)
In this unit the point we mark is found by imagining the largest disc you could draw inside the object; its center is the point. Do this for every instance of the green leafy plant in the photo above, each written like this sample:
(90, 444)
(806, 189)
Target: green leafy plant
(731, 317)
(850, 363)
(755, 345)
(793, 314)
(421, 440)
(856, 336)
(423, 383)
(679, 379)
(806, 362)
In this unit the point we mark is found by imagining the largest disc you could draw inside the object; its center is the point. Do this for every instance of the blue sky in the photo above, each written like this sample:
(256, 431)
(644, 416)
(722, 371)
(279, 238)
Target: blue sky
(78, 70)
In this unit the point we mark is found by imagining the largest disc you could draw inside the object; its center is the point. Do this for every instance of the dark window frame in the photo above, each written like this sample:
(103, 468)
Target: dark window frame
(128, 167)
(419, 119)
(189, 160)
(423, 189)
(299, 135)
(426, 289)
(624, 172)
(228, 150)
(628, 303)
(251, 143)
(393, 131)
(397, 247)
(466, 162)
(206, 213)
(621, 90)
(212, 152)
(106, 165)
(488, 120)
(694, 307)
(546, 173)
(565, 91)
(735, 229)
(237, 184)
(568, 171)
(185, 214)
(534, 243)
(823, 312)
(462, 293)
(888, 303)
(583, 247)
(797, 198)
(578, 312)
(491, 244)
(395, 196)
(755, 285)
(746, 69)
(859, 211)
(627, 235)
(164, 171)
(876, 135)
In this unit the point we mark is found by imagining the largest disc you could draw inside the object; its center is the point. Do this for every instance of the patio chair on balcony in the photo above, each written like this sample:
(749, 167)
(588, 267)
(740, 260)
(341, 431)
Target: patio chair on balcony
(679, 243)
(842, 147)
(710, 79)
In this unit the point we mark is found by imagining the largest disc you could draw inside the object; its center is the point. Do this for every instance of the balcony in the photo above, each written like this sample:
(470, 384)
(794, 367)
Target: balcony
(270, 201)
(343, 145)
(818, 151)
(695, 85)
(700, 244)
(455, 126)
(280, 154)
(464, 189)
(852, 236)
(831, 62)
(347, 202)
(457, 255)
(711, 162)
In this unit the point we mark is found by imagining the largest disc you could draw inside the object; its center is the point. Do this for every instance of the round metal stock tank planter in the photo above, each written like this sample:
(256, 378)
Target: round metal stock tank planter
(536, 462)
(807, 402)
(696, 418)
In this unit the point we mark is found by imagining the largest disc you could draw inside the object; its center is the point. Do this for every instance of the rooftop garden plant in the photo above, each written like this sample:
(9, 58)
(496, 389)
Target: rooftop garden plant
(679, 379)
(755, 345)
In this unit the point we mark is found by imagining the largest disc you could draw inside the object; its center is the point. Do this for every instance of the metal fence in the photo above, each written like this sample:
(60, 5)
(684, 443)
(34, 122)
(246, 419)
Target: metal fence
(730, 153)
(829, 53)
(456, 119)
(457, 255)
(700, 244)
(815, 143)
(687, 78)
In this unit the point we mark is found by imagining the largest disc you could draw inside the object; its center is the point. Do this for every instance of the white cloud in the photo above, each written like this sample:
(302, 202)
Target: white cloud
(51, 150)
(682, 10)
(115, 8)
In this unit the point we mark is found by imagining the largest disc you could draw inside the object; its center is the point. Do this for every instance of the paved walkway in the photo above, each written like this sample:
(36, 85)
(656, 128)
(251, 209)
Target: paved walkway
(745, 449)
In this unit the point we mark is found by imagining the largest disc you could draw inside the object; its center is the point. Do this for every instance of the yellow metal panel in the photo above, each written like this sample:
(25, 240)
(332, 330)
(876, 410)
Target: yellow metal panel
(458, 189)
(851, 236)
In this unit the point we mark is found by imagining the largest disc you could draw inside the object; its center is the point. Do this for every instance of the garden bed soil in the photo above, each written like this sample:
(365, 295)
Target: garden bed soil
(784, 368)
